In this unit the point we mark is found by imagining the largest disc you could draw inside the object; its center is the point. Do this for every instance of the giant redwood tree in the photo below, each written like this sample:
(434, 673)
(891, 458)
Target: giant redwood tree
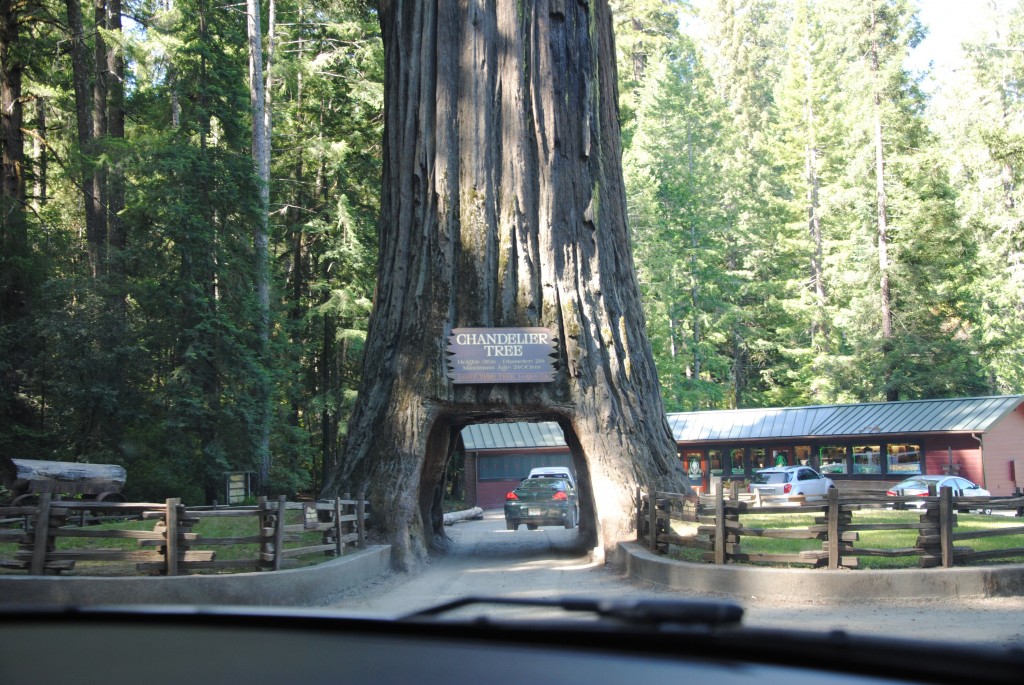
(503, 206)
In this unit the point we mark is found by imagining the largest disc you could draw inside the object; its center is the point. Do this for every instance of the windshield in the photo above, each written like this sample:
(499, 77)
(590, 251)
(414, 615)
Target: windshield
(309, 287)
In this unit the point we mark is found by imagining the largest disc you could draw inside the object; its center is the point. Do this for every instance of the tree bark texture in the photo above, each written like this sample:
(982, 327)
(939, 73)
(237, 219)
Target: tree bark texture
(258, 96)
(503, 205)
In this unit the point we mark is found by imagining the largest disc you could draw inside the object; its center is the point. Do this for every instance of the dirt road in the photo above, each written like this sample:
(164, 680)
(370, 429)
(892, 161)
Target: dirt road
(486, 559)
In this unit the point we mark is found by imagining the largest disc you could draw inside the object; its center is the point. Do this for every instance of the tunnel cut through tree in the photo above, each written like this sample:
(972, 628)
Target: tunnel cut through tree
(503, 206)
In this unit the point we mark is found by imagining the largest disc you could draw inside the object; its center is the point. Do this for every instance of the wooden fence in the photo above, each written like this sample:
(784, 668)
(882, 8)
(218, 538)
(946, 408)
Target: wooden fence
(719, 530)
(173, 547)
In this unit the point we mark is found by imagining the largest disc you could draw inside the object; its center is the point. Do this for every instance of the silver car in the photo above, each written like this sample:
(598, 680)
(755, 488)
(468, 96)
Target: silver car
(918, 486)
(790, 481)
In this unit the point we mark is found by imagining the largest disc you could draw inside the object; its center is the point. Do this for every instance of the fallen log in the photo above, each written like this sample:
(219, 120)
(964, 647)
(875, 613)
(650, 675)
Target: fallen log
(451, 518)
(25, 476)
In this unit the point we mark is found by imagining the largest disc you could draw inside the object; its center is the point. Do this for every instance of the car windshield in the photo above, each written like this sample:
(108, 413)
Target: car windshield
(310, 289)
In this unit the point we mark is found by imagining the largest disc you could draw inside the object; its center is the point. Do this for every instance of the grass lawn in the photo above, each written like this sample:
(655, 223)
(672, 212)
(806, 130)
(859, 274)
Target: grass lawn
(872, 539)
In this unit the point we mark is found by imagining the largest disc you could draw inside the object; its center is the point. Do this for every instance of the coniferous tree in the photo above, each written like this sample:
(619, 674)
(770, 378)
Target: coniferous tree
(674, 174)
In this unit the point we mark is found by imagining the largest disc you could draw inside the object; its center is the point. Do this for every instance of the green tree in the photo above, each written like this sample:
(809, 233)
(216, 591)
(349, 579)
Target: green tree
(982, 138)
(908, 308)
(674, 174)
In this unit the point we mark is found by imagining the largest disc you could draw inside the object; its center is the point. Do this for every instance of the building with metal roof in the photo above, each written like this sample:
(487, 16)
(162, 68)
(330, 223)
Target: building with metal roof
(868, 445)
(499, 455)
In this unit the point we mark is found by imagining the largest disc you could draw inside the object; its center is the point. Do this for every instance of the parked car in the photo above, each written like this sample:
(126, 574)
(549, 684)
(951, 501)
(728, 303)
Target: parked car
(918, 486)
(791, 481)
(553, 472)
(542, 502)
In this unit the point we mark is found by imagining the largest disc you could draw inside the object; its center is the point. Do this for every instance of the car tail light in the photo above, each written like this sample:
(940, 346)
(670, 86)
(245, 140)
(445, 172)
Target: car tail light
(560, 496)
(510, 496)
(787, 488)
(891, 493)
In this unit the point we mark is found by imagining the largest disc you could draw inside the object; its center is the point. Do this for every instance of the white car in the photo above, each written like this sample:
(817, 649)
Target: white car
(553, 472)
(790, 481)
(917, 486)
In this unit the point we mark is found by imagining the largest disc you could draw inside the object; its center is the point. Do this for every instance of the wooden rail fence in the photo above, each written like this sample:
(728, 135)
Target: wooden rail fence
(719, 530)
(173, 547)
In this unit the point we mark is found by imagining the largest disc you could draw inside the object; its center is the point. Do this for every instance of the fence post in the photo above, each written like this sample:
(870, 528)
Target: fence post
(41, 535)
(719, 527)
(639, 513)
(833, 528)
(361, 518)
(279, 533)
(171, 536)
(946, 525)
(264, 521)
(337, 526)
(652, 520)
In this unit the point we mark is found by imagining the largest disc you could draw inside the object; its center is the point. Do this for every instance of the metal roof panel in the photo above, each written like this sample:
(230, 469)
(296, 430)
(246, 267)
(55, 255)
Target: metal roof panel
(514, 435)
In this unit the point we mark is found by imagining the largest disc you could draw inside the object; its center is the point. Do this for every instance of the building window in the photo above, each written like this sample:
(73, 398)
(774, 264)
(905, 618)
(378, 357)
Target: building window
(715, 461)
(867, 459)
(832, 459)
(692, 462)
(736, 467)
(903, 458)
(758, 458)
(780, 457)
(802, 454)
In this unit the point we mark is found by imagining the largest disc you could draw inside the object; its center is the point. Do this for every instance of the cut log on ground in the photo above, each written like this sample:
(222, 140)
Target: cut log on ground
(453, 517)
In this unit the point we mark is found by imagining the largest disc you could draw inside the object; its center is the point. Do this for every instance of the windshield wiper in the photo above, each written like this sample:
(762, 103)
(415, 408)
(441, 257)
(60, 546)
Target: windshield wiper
(645, 612)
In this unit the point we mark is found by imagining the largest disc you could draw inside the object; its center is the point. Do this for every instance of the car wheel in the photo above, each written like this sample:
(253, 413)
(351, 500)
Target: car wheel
(531, 526)
(512, 525)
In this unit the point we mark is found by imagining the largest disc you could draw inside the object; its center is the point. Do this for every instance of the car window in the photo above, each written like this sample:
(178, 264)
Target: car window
(538, 484)
(807, 474)
(769, 477)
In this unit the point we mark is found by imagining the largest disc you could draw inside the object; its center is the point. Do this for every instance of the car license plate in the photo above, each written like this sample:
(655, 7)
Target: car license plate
(534, 511)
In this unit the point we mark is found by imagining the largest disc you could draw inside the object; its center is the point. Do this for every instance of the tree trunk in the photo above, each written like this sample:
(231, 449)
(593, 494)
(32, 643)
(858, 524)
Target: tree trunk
(40, 163)
(95, 224)
(882, 214)
(258, 93)
(818, 327)
(13, 224)
(503, 205)
(115, 128)
(15, 253)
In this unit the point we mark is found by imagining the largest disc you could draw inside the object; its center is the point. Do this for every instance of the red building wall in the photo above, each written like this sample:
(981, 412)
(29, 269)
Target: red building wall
(965, 451)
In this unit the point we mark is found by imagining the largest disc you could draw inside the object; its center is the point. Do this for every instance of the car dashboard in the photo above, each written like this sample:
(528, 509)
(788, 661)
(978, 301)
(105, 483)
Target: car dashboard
(656, 643)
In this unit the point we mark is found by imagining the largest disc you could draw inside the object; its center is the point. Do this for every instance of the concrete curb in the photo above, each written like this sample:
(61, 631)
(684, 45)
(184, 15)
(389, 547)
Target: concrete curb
(803, 584)
(310, 586)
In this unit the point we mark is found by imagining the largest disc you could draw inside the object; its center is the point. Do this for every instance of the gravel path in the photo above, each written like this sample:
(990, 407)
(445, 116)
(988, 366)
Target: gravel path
(485, 559)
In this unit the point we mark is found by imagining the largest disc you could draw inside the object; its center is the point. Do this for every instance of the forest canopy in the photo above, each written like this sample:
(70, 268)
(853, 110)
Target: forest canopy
(809, 224)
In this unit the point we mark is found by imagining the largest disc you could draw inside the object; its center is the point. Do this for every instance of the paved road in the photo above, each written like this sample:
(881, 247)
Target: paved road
(486, 559)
